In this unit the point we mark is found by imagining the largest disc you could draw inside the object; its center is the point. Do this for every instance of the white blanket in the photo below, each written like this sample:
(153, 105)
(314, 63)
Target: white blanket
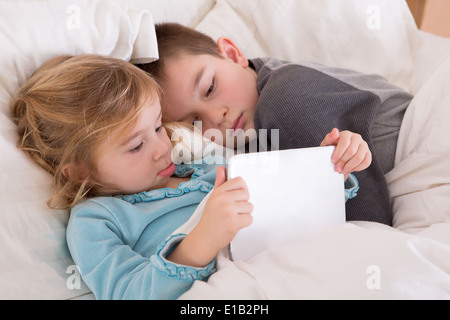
(364, 260)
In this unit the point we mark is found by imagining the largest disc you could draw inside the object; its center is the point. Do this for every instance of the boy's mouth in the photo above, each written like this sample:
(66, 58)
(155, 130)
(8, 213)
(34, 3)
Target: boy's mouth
(238, 124)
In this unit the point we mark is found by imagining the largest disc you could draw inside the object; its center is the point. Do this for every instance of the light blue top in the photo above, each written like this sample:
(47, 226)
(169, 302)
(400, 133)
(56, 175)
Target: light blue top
(120, 243)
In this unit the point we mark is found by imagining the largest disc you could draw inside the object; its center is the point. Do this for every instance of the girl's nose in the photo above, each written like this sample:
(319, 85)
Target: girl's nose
(161, 148)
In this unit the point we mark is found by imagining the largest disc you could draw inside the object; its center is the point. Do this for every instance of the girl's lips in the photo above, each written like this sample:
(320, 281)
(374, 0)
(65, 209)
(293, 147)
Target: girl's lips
(168, 172)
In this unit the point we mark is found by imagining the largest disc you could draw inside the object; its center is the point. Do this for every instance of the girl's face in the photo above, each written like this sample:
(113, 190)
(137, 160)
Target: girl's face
(141, 162)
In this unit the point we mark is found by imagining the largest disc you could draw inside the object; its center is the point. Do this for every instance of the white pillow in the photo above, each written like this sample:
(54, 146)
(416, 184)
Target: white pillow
(371, 36)
(33, 32)
(186, 12)
(429, 52)
(34, 259)
(419, 183)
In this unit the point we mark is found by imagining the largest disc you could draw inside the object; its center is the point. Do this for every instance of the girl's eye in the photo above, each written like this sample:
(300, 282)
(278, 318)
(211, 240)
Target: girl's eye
(210, 89)
(138, 148)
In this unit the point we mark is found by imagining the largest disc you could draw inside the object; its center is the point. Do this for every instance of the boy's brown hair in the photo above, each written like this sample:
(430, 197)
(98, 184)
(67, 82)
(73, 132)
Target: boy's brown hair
(174, 40)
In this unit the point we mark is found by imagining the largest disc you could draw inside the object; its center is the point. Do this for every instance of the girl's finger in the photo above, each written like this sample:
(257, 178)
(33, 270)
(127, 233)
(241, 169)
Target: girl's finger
(220, 177)
(237, 183)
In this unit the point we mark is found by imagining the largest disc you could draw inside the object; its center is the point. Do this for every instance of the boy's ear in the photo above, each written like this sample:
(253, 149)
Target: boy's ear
(229, 50)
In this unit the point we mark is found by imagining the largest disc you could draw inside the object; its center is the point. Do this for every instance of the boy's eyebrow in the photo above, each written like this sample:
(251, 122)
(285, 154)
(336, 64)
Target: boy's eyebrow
(198, 78)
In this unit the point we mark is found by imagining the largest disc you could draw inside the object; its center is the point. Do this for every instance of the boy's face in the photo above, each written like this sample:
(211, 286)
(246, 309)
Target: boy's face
(216, 93)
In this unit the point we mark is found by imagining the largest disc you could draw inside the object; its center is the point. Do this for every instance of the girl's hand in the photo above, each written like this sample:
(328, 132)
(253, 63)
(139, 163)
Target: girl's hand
(226, 212)
(351, 153)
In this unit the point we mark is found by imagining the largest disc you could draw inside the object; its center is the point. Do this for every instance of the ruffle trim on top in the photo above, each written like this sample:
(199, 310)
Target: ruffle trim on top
(193, 184)
(174, 270)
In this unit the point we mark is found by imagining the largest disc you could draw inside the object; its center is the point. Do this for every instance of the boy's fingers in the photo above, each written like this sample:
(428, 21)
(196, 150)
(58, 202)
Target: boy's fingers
(363, 164)
(341, 148)
(350, 151)
(357, 162)
(331, 138)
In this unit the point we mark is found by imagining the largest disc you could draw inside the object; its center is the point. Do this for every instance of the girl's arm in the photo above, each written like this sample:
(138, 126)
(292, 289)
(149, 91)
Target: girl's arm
(113, 270)
(226, 212)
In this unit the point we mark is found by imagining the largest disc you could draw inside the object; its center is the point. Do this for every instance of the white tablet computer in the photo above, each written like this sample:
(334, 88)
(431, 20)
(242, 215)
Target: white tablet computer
(295, 193)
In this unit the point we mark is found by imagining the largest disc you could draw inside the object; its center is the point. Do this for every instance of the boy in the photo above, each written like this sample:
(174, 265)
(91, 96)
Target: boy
(216, 84)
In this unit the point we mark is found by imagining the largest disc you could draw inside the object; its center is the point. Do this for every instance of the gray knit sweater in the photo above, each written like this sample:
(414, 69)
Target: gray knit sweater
(306, 101)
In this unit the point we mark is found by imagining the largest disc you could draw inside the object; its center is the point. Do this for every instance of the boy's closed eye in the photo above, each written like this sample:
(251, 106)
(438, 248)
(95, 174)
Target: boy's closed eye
(210, 88)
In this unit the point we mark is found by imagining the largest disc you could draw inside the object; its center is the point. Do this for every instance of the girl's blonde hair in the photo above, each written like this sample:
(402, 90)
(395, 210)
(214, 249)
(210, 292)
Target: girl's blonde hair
(67, 108)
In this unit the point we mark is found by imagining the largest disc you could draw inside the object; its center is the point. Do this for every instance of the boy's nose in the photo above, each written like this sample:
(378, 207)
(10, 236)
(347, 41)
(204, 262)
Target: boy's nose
(216, 118)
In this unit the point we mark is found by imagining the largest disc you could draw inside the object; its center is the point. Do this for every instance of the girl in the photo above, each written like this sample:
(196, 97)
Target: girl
(95, 124)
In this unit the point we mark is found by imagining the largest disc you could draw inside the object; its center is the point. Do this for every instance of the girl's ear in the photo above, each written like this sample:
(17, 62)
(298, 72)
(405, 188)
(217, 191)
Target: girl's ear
(229, 50)
(75, 172)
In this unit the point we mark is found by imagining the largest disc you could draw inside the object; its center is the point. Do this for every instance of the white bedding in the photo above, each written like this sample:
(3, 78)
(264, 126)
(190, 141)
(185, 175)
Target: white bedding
(360, 260)
(357, 260)
(364, 260)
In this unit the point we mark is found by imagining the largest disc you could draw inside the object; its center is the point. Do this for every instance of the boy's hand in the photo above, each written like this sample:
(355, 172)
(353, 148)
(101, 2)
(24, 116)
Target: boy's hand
(351, 153)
